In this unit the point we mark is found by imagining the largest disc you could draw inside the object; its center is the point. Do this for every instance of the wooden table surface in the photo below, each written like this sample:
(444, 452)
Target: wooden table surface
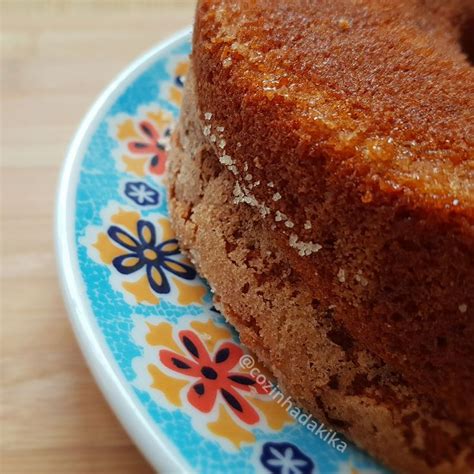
(57, 56)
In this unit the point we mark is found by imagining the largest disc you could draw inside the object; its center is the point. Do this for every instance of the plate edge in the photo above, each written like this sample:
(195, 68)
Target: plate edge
(109, 379)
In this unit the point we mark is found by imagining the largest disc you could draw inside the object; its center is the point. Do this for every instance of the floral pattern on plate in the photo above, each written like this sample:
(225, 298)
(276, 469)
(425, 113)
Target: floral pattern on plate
(143, 257)
(285, 458)
(172, 90)
(194, 366)
(143, 141)
(141, 193)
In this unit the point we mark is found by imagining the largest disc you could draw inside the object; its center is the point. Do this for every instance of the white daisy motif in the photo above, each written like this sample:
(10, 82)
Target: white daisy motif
(286, 461)
(286, 458)
(141, 193)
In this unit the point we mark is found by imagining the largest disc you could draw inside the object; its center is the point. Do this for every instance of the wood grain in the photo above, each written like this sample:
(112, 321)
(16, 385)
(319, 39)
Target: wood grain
(56, 58)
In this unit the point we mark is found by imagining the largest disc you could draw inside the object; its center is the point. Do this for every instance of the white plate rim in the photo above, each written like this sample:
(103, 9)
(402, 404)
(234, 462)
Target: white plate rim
(160, 452)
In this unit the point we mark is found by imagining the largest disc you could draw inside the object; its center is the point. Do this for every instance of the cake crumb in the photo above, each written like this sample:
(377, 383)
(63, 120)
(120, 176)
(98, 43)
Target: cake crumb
(206, 130)
(304, 248)
(220, 129)
(248, 177)
(226, 160)
(242, 195)
(307, 225)
(361, 279)
(276, 197)
(213, 138)
(289, 224)
(462, 308)
(237, 190)
(227, 62)
(344, 24)
(455, 202)
(270, 184)
(341, 275)
(279, 216)
(222, 143)
(264, 210)
(208, 115)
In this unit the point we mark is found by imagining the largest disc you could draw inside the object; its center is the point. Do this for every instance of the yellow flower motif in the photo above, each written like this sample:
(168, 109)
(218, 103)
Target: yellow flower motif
(172, 90)
(144, 258)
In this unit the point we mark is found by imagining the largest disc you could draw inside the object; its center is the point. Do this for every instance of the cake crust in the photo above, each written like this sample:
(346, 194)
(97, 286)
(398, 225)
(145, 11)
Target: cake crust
(349, 126)
(273, 307)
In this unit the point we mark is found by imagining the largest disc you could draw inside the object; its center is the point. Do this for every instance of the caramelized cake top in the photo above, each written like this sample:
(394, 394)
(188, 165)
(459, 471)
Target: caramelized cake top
(381, 92)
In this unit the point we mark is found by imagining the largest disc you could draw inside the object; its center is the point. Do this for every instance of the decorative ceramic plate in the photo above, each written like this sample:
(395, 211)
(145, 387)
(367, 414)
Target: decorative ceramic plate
(168, 363)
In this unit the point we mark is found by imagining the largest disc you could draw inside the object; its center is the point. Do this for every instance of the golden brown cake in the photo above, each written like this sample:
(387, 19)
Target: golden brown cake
(322, 179)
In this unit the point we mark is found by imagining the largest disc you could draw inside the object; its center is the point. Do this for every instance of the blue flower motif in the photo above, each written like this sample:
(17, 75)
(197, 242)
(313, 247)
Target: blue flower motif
(145, 252)
(285, 458)
(142, 194)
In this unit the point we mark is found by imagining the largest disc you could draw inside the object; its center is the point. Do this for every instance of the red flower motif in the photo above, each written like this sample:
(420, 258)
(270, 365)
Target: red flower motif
(214, 375)
(155, 145)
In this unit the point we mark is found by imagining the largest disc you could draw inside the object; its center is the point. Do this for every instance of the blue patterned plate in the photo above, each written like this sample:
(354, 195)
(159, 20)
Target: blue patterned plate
(166, 360)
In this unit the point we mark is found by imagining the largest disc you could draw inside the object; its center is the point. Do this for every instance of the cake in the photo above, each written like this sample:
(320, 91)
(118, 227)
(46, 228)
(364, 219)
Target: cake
(321, 178)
